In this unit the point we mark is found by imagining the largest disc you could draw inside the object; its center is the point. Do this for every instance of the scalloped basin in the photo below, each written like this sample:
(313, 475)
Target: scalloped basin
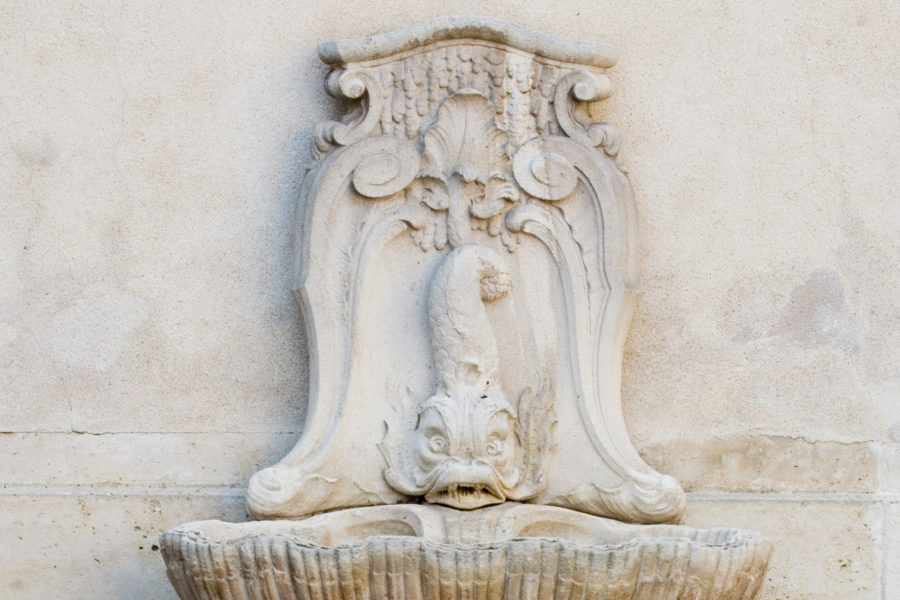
(509, 552)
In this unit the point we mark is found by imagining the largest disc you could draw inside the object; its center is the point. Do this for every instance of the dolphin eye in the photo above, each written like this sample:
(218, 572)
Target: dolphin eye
(437, 444)
(493, 447)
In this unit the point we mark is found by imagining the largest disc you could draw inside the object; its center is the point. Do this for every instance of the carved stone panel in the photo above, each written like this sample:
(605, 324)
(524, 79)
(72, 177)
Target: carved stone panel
(465, 265)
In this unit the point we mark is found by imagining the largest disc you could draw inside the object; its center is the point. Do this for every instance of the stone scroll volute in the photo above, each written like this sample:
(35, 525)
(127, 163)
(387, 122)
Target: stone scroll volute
(465, 267)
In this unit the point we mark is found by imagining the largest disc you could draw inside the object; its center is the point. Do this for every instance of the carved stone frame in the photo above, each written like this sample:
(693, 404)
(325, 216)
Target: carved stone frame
(473, 132)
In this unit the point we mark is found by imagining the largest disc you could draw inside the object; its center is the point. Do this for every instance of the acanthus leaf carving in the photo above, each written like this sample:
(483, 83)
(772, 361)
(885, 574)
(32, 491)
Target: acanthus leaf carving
(466, 152)
(650, 499)
(464, 140)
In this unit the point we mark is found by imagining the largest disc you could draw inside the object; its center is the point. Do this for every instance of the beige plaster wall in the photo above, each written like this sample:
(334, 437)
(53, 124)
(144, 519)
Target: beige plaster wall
(151, 357)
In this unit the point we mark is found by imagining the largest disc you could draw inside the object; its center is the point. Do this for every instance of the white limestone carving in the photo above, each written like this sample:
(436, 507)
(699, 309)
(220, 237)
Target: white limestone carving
(507, 552)
(466, 266)
(455, 143)
(468, 448)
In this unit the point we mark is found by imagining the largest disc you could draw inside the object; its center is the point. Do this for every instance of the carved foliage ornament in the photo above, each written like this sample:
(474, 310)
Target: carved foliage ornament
(465, 262)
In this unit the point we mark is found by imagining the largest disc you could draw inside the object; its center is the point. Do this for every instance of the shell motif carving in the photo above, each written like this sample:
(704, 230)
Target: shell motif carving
(412, 553)
(465, 171)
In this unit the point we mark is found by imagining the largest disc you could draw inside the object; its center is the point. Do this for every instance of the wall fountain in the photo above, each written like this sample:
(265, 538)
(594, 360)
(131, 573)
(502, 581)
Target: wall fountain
(465, 265)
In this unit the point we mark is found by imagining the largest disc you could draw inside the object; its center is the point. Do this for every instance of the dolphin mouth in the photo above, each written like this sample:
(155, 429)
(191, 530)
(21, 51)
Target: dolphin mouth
(465, 493)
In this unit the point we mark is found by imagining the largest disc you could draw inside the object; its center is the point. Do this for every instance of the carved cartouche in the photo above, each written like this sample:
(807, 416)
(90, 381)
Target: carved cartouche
(468, 202)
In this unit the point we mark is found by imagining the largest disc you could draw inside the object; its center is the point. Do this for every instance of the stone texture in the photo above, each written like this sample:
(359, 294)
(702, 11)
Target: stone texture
(794, 325)
(889, 468)
(823, 550)
(889, 448)
(101, 546)
(184, 188)
(892, 551)
(425, 552)
(764, 463)
(147, 282)
(135, 460)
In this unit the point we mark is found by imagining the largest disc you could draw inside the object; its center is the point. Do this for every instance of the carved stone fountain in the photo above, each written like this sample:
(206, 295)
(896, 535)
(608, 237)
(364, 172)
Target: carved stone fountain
(466, 267)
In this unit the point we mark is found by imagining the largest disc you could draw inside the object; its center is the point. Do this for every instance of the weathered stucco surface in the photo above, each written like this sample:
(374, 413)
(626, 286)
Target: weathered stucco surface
(151, 357)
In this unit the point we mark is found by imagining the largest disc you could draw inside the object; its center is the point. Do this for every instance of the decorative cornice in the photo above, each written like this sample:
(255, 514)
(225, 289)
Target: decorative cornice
(467, 27)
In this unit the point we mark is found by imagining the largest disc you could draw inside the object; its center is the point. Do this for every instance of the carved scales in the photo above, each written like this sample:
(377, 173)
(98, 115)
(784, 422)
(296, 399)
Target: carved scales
(465, 266)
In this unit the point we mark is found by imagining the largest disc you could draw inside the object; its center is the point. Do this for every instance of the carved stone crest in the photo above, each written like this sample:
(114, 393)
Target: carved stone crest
(457, 361)
(465, 264)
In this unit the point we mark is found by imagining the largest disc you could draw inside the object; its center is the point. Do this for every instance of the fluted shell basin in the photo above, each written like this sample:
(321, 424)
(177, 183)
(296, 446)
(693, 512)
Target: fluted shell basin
(510, 552)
